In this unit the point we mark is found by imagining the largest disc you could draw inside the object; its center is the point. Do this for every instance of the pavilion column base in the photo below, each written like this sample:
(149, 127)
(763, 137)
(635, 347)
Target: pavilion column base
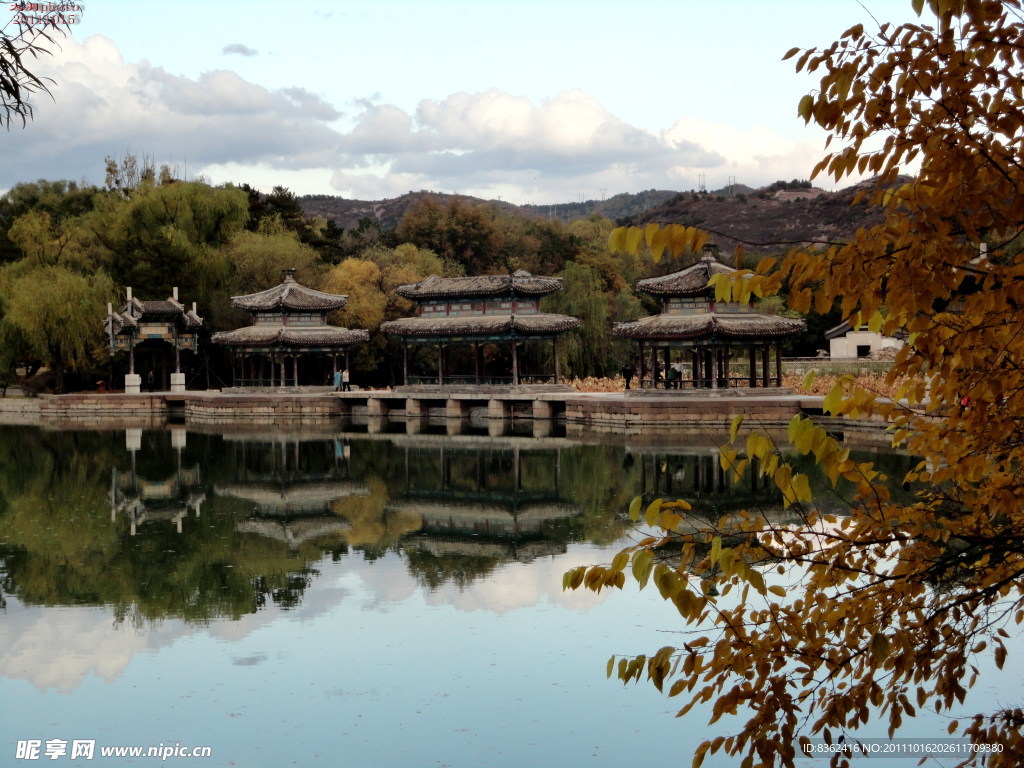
(456, 409)
(132, 383)
(542, 409)
(376, 406)
(498, 409)
(177, 382)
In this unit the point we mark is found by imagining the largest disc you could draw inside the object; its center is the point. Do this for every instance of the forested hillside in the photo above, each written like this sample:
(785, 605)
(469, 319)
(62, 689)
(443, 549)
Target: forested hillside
(66, 250)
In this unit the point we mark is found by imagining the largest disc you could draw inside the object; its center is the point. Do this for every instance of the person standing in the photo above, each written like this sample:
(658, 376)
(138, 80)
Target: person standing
(337, 381)
(345, 386)
(628, 372)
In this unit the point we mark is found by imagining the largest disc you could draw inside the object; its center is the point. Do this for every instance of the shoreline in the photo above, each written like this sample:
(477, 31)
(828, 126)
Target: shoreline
(602, 415)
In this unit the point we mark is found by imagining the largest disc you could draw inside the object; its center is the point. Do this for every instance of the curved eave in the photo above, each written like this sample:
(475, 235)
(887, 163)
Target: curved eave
(298, 495)
(692, 281)
(481, 325)
(463, 511)
(292, 296)
(290, 336)
(518, 284)
(746, 326)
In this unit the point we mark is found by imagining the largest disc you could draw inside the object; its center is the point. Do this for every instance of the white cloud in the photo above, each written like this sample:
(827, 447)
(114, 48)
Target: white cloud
(755, 156)
(103, 105)
(489, 143)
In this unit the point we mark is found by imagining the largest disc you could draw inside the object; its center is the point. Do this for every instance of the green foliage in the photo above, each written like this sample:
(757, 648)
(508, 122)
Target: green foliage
(462, 232)
(56, 313)
(169, 235)
(61, 201)
(582, 296)
(258, 259)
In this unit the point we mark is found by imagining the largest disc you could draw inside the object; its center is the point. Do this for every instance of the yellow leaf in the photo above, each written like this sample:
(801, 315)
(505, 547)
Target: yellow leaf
(775, 589)
(661, 240)
(722, 286)
(698, 757)
(734, 427)
(716, 549)
(634, 236)
(620, 560)
(805, 106)
(802, 488)
(879, 647)
(726, 559)
(727, 457)
(822, 302)
(653, 509)
(875, 321)
(679, 239)
(643, 562)
(617, 240)
(756, 581)
(634, 508)
(783, 478)
(833, 399)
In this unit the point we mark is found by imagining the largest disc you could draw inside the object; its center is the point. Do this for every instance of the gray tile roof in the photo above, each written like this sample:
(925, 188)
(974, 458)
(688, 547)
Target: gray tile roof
(741, 325)
(481, 325)
(520, 283)
(290, 295)
(290, 336)
(692, 281)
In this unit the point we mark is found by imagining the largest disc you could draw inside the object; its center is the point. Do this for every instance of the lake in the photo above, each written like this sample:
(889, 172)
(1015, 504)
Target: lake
(334, 597)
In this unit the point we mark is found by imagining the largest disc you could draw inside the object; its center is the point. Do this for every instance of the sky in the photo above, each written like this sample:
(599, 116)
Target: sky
(526, 101)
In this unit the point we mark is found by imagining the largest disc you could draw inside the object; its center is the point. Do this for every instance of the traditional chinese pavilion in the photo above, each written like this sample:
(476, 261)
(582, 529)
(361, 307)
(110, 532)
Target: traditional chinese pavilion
(491, 317)
(139, 322)
(289, 337)
(698, 338)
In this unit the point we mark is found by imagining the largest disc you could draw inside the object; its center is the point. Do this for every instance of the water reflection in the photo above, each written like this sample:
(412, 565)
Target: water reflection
(199, 527)
(172, 498)
(293, 487)
(377, 583)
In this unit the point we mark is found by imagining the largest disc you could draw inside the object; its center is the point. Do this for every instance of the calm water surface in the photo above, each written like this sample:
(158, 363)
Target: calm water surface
(335, 599)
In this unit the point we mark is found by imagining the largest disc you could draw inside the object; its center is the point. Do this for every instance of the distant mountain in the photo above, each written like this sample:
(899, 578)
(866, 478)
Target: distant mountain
(766, 220)
(348, 213)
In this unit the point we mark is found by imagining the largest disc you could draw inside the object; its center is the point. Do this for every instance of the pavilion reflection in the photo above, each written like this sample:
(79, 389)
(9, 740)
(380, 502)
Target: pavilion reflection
(492, 499)
(718, 500)
(292, 484)
(142, 500)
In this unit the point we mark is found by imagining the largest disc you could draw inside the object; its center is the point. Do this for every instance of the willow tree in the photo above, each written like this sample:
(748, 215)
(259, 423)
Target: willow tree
(896, 602)
(57, 313)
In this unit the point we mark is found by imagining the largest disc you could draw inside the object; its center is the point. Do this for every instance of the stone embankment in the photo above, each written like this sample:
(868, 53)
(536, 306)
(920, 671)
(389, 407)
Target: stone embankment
(596, 412)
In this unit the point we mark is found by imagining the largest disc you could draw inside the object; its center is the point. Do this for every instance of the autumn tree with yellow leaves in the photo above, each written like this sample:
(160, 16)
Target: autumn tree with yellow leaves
(813, 630)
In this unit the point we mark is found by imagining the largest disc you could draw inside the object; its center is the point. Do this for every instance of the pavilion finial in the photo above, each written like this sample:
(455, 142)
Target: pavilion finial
(289, 275)
(710, 252)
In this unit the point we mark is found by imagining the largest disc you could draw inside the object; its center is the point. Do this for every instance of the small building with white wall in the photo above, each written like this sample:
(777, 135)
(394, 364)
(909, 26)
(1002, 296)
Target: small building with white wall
(847, 343)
